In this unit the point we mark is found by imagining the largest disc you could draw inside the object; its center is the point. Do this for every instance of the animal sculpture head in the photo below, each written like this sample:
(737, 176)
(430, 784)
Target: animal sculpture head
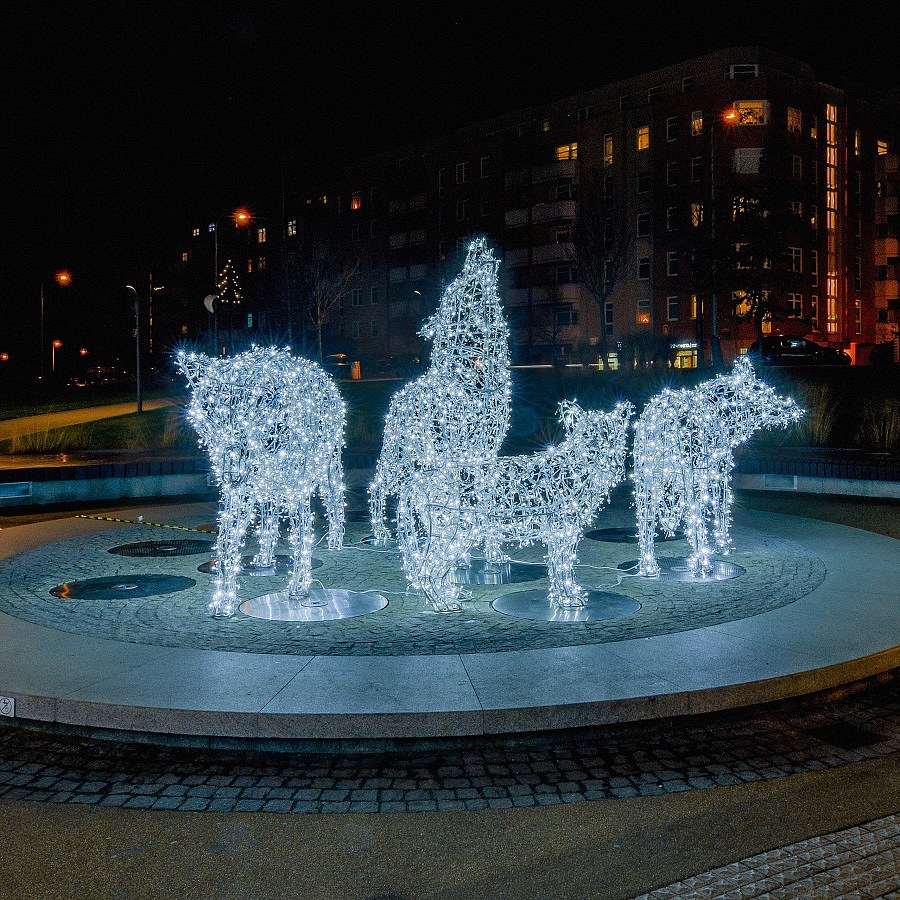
(748, 403)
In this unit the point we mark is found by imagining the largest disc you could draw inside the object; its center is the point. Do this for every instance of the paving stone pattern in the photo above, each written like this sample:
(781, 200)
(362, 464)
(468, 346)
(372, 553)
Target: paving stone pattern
(777, 572)
(636, 761)
(863, 861)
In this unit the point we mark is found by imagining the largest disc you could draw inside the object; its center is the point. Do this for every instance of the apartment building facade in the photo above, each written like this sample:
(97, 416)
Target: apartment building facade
(684, 152)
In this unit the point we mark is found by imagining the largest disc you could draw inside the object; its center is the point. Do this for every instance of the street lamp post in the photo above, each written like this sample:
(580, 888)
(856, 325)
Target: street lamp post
(137, 345)
(63, 279)
(54, 346)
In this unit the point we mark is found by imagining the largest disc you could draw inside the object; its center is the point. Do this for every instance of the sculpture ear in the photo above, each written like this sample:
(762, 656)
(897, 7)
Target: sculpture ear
(192, 365)
(743, 366)
(569, 414)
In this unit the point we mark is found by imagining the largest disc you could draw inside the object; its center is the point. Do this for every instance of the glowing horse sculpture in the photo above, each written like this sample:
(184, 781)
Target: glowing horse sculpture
(548, 497)
(458, 411)
(273, 426)
(684, 455)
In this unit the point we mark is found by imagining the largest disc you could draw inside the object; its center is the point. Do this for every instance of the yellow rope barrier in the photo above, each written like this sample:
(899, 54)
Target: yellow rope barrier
(142, 522)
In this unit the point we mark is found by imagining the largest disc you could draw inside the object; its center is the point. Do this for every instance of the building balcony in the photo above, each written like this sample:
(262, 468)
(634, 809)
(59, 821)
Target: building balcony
(513, 258)
(553, 253)
(562, 168)
(555, 211)
(885, 291)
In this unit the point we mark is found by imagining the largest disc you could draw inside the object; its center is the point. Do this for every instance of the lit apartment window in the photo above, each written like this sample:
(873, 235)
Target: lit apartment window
(567, 151)
(671, 173)
(750, 112)
(882, 147)
(356, 296)
(484, 166)
(196, 232)
(741, 303)
(643, 268)
(857, 315)
(857, 143)
(742, 205)
(694, 306)
(462, 172)
(796, 168)
(545, 125)
(261, 262)
(645, 312)
(585, 113)
(462, 210)
(260, 235)
(292, 228)
(184, 256)
(672, 308)
(607, 149)
(697, 122)
(643, 137)
(794, 120)
(742, 70)
(643, 182)
(211, 227)
(643, 224)
(746, 160)
(373, 295)
(813, 216)
(814, 127)
(672, 128)
(355, 201)
(249, 265)
(696, 214)
(672, 218)
(795, 306)
(672, 263)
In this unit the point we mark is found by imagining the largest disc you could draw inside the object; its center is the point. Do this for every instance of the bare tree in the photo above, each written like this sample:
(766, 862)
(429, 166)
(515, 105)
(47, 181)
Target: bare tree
(318, 274)
(601, 240)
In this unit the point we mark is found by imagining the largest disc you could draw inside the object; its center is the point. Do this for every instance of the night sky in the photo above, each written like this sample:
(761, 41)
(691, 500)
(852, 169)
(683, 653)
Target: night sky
(126, 122)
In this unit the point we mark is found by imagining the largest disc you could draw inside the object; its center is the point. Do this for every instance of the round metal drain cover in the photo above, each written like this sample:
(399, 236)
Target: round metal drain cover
(482, 572)
(676, 568)
(624, 536)
(536, 605)
(320, 605)
(122, 587)
(163, 548)
(283, 565)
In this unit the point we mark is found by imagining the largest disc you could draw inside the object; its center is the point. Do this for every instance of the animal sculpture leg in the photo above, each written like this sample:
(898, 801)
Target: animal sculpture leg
(377, 495)
(301, 539)
(334, 503)
(646, 504)
(267, 535)
(561, 560)
(697, 533)
(234, 520)
(722, 519)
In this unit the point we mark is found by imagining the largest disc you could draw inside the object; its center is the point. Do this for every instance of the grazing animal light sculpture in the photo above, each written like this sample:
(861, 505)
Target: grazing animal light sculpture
(273, 426)
(684, 455)
(548, 497)
(457, 411)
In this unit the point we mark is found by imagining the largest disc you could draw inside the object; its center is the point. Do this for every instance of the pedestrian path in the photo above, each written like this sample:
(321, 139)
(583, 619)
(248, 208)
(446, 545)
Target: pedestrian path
(859, 862)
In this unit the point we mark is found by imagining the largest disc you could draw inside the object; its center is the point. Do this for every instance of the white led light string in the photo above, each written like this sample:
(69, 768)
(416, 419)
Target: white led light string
(273, 427)
(684, 456)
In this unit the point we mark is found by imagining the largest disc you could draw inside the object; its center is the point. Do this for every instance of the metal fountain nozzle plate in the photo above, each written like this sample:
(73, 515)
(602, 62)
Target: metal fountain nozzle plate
(536, 605)
(676, 568)
(319, 605)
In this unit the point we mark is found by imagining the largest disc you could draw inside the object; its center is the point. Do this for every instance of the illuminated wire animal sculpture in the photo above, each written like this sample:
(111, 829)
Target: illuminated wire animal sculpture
(684, 456)
(458, 411)
(273, 426)
(549, 497)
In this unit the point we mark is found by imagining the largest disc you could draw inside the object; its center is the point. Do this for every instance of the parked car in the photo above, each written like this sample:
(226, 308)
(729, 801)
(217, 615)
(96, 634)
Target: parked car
(779, 350)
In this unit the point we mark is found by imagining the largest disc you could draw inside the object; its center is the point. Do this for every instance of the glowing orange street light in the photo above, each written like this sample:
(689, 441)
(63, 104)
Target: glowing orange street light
(4, 357)
(730, 115)
(83, 351)
(241, 217)
(63, 278)
(55, 346)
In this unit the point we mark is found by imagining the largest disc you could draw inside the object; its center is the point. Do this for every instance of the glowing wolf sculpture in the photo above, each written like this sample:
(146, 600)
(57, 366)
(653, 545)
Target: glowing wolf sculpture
(458, 411)
(273, 426)
(548, 497)
(684, 455)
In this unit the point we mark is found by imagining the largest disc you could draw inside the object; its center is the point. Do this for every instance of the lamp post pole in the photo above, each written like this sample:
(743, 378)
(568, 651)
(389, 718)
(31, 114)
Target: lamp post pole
(62, 278)
(137, 345)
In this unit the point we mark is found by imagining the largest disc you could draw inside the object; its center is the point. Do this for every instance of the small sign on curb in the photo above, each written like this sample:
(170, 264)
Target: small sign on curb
(7, 706)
